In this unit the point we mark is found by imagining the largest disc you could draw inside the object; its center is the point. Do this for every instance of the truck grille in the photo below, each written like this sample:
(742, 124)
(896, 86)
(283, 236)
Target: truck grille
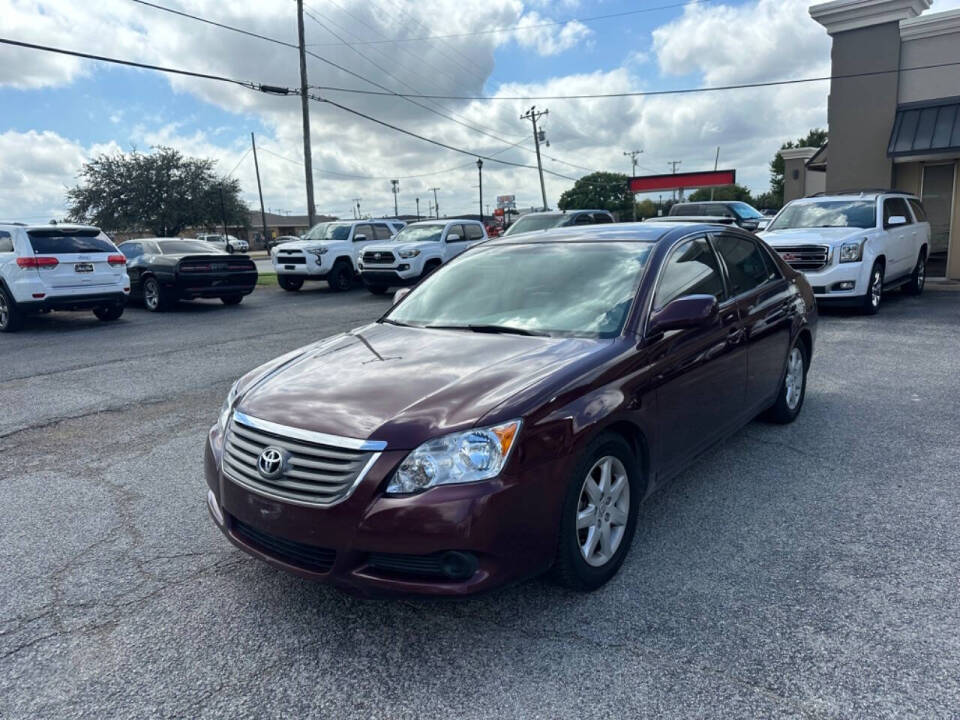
(310, 473)
(291, 257)
(381, 257)
(805, 257)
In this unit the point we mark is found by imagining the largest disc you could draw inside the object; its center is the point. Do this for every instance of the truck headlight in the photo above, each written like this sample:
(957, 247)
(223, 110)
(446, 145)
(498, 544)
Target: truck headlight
(852, 251)
(227, 407)
(319, 251)
(463, 457)
(408, 253)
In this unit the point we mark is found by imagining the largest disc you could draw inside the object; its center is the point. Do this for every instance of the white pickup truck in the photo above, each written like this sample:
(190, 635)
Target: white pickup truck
(416, 251)
(852, 247)
(329, 251)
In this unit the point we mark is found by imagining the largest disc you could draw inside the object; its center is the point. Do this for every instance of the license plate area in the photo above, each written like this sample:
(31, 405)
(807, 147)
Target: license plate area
(289, 267)
(83, 267)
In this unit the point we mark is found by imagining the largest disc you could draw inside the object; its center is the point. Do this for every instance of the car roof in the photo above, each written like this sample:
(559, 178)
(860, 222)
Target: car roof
(864, 194)
(58, 226)
(615, 232)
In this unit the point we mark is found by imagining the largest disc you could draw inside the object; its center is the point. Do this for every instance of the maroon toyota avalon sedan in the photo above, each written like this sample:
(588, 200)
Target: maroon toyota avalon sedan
(512, 412)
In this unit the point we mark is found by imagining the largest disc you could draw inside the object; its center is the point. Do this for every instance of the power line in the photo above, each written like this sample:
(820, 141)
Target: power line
(651, 93)
(352, 176)
(514, 28)
(242, 158)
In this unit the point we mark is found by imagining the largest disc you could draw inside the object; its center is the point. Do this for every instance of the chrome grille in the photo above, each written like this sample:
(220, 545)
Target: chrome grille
(805, 257)
(317, 469)
(378, 257)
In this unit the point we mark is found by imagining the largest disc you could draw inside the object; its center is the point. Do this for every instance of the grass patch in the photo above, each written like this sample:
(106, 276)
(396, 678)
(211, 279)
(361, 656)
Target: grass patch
(267, 279)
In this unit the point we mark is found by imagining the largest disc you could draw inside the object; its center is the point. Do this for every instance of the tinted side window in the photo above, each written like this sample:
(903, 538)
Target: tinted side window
(601, 218)
(474, 232)
(692, 269)
(456, 230)
(131, 250)
(583, 219)
(381, 231)
(918, 210)
(744, 261)
(366, 230)
(894, 206)
(6, 242)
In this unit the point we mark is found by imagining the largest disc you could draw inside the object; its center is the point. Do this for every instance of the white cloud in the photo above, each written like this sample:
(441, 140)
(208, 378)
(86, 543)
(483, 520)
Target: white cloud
(532, 32)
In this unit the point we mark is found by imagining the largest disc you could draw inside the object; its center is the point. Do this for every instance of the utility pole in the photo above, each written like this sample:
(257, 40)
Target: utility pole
(480, 175)
(673, 164)
(436, 204)
(716, 161)
(418, 209)
(223, 217)
(632, 154)
(305, 107)
(532, 115)
(357, 203)
(256, 165)
(396, 189)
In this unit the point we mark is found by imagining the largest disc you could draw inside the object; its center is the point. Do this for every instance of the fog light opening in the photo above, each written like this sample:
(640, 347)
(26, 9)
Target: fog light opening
(458, 565)
(844, 285)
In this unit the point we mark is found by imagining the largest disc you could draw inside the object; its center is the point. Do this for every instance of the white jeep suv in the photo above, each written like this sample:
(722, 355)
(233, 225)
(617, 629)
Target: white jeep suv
(329, 251)
(416, 251)
(59, 267)
(854, 246)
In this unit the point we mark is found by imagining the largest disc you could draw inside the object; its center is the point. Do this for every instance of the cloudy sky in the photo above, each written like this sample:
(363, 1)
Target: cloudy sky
(59, 111)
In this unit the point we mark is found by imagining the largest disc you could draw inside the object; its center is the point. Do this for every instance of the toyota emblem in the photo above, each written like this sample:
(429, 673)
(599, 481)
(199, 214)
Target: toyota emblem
(377, 256)
(271, 463)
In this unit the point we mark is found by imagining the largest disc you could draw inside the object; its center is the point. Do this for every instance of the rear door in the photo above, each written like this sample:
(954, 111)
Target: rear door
(763, 300)
(900, 238)
(85, 261)
(475, 235)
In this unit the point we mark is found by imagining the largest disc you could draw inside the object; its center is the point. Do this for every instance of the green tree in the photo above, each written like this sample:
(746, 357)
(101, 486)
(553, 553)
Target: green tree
(724, 192)
(815, 138)
(599, 190)
(162, 191)
(646, 208)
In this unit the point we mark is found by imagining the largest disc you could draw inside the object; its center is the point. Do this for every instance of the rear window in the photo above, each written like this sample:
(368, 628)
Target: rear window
(52, 242)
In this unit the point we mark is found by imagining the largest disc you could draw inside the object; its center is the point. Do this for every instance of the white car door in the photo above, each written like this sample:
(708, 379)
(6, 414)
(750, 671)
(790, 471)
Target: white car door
(901, 238)
(455, 241)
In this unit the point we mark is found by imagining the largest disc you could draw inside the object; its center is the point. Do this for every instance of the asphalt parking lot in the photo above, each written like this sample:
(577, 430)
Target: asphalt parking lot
(811, 570)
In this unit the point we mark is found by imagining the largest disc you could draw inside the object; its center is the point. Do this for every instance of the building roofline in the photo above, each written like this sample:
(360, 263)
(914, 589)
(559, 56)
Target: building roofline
(926, 26)
(843, 15)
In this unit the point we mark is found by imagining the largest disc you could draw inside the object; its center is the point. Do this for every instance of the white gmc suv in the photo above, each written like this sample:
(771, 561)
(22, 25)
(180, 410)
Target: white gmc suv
(854, 246)
(416, 251)
(329, 251)
(59, 267)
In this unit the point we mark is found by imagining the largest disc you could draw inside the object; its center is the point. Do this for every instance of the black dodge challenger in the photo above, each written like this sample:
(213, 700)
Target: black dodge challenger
(165, 270)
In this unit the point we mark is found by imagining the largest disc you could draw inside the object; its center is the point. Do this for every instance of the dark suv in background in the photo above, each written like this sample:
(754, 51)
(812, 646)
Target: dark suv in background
(549, 220)
(743, 214)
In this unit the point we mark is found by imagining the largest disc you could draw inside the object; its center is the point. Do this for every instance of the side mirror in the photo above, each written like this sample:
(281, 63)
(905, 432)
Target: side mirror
(896, 220)
(400, 295)
(689, 311)
(453, 237)
(360, 238)
(750, 225)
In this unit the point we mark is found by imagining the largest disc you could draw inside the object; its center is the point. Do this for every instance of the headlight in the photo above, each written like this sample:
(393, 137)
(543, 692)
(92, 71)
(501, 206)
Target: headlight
(319, 251)
(463, 457)
(851, 251)
(408, 253)
(227, 407)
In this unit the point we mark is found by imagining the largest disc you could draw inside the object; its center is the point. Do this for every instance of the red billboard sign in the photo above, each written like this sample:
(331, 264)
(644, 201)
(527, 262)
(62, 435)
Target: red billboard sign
(675, 181)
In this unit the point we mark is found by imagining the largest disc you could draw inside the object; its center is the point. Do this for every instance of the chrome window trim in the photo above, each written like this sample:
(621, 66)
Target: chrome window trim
(311, 436)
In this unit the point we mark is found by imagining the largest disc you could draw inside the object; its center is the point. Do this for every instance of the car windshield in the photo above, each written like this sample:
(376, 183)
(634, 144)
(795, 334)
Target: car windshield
(565, 289)
(333, 231)
(179, 247)
(745, 211)
(51, 242)
(316, 232)
(535, 221)
(420, 233)
(827, 213)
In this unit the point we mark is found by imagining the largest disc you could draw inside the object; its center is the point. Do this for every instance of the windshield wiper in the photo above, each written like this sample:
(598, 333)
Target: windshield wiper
(505, 329)
(393, 322)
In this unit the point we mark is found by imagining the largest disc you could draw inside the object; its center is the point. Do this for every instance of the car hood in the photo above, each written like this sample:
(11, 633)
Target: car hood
(404, 385)
(810, 236)
(305, 244)
(395, 247)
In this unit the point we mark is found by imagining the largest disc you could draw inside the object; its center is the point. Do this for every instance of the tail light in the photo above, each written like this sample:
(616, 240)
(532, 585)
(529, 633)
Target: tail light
(116, 260)
(195, 268)
(37, 262)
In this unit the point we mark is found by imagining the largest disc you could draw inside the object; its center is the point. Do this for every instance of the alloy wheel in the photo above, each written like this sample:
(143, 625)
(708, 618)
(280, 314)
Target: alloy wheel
(921, 273)
(151, 294)
(4, 312)
(876, 287)
(794, 378)
(603, 511)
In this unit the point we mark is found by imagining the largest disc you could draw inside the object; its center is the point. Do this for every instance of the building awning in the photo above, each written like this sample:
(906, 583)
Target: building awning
(819, 159)
(926, 127)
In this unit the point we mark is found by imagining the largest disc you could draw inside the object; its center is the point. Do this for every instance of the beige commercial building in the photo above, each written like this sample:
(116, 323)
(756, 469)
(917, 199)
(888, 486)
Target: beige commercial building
(893, 113)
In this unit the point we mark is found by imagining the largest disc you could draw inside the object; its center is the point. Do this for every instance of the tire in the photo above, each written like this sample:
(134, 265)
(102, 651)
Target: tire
(793, 387)
(231, 299)
(340, 277)
(871, 301)
(918, 277)
(290, 284)
(154, 299)
(108, 313)
(10, 317)
(429, 269)
(378, 289)
(577, 566)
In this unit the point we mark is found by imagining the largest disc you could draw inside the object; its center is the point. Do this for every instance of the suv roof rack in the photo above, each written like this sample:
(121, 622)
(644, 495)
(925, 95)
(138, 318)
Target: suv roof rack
(862, 191)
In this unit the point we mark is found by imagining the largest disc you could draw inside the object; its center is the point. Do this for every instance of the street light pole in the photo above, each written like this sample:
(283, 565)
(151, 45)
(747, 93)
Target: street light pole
(480, 175)
(418, 209)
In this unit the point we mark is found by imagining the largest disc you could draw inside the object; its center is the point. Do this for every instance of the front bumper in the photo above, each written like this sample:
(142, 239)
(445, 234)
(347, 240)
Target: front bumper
(389, 277)
(508, 526)
(840, 282)
(310, 268)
